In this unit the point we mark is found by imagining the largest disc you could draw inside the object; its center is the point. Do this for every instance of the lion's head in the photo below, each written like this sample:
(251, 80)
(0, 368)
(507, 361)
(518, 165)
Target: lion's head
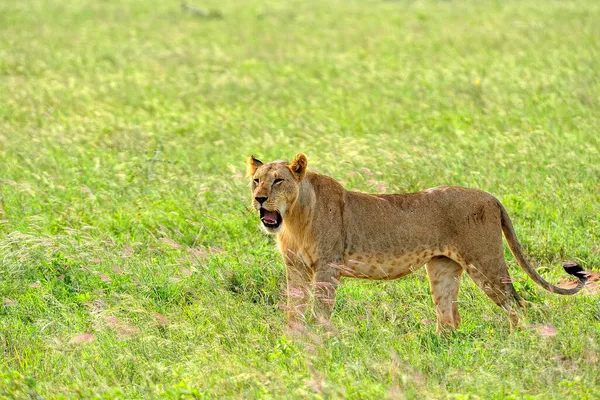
(275, 188)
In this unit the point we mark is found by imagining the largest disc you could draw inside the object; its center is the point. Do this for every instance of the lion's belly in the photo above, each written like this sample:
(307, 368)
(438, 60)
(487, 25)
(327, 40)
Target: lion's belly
(383, 266)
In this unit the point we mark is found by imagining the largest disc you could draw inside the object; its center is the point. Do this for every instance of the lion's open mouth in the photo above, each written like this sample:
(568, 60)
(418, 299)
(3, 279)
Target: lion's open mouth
(270, 219)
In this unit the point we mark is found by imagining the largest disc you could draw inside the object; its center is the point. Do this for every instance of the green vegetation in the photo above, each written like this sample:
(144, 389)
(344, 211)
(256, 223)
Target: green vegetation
(124, 213)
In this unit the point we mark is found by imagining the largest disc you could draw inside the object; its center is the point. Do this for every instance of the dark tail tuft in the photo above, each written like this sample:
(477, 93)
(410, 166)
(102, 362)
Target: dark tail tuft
(572, 268)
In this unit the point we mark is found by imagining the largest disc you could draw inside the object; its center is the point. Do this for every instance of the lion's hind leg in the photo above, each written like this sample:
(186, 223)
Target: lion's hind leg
(444, 280)
(492, 277)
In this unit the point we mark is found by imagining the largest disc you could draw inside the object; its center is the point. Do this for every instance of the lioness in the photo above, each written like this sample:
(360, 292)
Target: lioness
(325, 232)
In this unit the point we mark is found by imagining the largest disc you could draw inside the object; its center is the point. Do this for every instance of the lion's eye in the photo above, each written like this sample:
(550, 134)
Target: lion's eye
(256, 181)
(276, 181)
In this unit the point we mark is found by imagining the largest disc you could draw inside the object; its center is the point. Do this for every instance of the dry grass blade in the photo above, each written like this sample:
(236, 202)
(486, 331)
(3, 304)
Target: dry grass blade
(171, 243)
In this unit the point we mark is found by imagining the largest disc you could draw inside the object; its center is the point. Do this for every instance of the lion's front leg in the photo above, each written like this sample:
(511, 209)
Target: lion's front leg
(326, 282)
(299, 279)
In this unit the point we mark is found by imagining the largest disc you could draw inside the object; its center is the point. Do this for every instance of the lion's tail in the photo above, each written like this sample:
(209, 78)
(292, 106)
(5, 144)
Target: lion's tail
(571, 268)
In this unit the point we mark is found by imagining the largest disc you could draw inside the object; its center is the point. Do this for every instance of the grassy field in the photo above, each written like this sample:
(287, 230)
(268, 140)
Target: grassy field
(131, 265)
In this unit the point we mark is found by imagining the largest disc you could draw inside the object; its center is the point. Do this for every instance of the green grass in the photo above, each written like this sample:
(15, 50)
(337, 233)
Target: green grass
(124, 129)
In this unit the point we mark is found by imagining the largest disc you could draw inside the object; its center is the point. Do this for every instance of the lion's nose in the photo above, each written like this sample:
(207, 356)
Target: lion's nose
(261, 199)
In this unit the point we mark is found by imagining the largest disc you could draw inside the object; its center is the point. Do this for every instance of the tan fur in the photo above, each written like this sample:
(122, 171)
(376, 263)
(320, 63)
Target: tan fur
(328, 232)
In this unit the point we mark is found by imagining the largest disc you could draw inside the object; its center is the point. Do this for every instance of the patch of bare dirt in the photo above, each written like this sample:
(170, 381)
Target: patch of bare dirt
(592, 285)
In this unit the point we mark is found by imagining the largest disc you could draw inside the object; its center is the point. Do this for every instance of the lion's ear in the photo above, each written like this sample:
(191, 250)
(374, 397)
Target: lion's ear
(253, 164)
(298, 166)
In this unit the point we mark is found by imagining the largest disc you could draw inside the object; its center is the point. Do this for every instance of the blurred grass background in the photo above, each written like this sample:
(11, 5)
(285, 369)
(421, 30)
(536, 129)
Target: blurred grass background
(132, 267)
